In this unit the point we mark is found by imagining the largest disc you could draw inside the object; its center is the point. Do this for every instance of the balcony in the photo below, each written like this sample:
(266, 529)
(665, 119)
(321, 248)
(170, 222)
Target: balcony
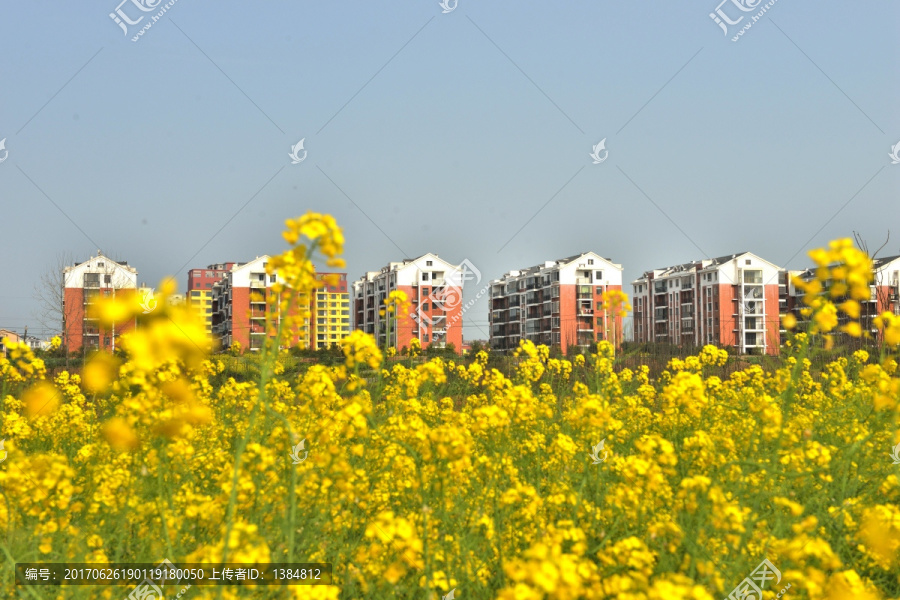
(257, 284)
(754, 276)
(659, 287)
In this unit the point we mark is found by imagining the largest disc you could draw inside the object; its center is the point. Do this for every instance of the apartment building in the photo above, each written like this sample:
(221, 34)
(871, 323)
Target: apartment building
(557, 303)
(330, 321)
(239, 309)
(434, 288)
(727, 301)
(886, 287)
(199, 288)
(83, 284)
(8, 336)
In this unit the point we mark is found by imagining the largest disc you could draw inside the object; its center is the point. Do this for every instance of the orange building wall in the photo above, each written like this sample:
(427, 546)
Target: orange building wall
(727, 323)
(74, 308)
(240, 316)
(773, 320)
(568, 329)
(405, 324)
(75, 313)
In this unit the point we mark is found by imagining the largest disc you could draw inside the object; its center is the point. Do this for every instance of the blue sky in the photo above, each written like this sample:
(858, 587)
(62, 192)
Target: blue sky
(450, 132)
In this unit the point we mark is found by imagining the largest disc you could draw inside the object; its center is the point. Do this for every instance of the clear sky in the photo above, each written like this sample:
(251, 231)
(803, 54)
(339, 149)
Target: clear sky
(465, 133)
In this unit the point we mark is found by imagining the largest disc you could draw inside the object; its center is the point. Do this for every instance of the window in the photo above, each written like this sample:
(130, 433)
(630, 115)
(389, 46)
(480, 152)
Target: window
(424, 291)
(425, 276)
(99, 265)
(747, 262)
(108, 279)
(427, 263)
(272, 278)
(599, 290)
(598, 275)
(590, 261)
(425, 306)
(208, 285)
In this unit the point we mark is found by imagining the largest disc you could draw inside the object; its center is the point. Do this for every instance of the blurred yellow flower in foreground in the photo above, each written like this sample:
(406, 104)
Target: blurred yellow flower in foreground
(41, 400)
(120, 435)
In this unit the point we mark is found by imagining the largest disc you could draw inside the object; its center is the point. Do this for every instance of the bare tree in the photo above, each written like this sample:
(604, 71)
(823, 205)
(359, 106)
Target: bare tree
(50, 294)
(881, 294)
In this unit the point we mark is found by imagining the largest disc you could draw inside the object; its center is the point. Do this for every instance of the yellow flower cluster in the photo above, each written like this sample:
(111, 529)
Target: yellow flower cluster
(843, 274)
(539, 479)
(615, 302)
